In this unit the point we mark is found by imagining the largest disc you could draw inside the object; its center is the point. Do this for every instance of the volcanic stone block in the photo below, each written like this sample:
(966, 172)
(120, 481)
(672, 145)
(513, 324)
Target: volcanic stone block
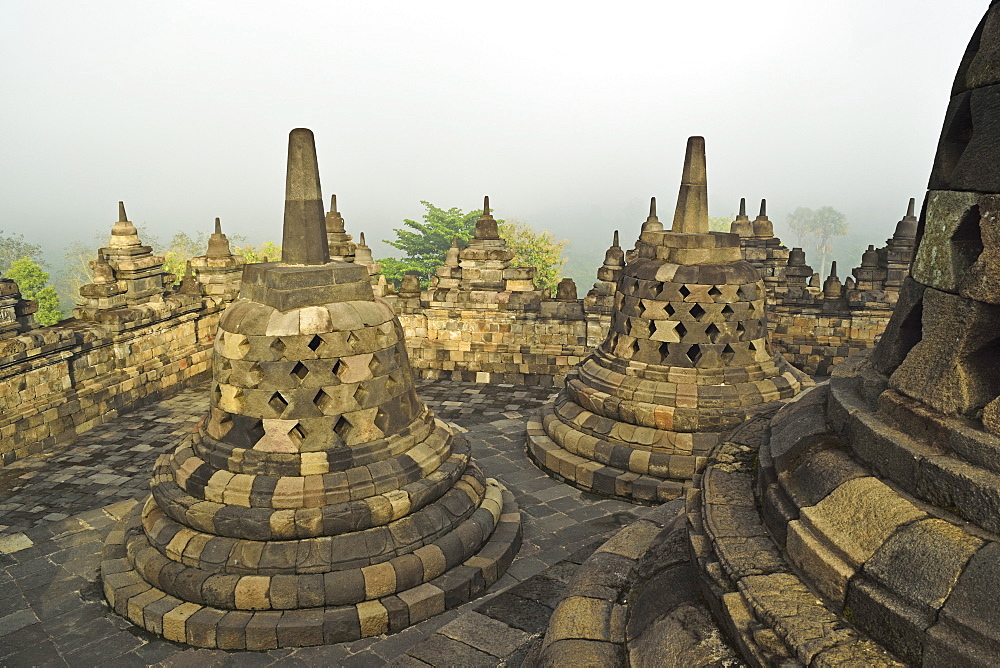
(951, 368)
(951, 243)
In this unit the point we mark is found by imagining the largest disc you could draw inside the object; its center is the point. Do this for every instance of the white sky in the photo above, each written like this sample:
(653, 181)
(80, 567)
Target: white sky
(569, 116)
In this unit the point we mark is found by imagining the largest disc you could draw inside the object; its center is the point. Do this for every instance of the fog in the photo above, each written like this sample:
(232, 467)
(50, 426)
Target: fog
(570, 118)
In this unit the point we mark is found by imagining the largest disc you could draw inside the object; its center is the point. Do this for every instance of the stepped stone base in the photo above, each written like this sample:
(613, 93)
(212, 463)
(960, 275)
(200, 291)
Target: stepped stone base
(131, 596)
(594, 476)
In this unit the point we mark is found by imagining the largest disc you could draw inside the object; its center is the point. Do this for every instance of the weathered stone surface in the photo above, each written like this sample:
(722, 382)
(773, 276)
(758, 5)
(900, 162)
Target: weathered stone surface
(950, 368)
(687, 358)
(314, 495)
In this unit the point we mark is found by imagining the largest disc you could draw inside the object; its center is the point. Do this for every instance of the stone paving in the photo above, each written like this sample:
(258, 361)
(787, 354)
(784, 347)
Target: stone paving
(56, 509)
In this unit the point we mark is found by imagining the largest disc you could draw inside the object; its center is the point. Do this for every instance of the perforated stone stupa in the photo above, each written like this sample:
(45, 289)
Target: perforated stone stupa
(686, 359)
(319, 501)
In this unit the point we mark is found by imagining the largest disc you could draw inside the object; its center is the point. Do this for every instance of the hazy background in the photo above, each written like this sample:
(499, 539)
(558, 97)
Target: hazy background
(569, 117)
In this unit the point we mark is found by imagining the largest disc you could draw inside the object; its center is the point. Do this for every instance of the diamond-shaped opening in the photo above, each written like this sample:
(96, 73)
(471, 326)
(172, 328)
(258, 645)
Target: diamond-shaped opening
(728, 310)
(342, 428)
(278, 346)
(314, 343)
(740, 330)
(381, 420)
(339, 367)
(697, 311)
(669, 310)
(715, 292)
(753, 346)
(713, 332)
(297, 433)
(323, 401)
(634, 348)
(361, 395)
(278, 403)
(684, 291)
(651, 325)
(300, 371)
(352, 339)
(640, 308)
(681, 330)
(390, 385)
(255, 373)
(694, 353)
(375, 366)
(728, 353)
(664, 352)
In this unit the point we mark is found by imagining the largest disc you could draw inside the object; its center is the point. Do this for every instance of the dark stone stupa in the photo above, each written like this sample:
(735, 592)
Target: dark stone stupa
(319, 501)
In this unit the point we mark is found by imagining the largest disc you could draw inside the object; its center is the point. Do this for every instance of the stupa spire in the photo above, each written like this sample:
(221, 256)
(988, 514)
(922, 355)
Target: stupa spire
(615, 242)
(743, 206)
(909, 208)
(218, 226)
(691, 214)
(122, 218)
(303, 239)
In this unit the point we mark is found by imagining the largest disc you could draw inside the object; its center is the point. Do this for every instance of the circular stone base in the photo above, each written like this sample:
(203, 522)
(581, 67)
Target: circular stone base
(202, 626)
(593, 476)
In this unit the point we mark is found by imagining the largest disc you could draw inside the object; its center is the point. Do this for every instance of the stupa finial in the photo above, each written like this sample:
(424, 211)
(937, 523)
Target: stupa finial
(910, 208)
(303, 240)
(218, 226)
(652, 207)
(691, 214)
(763, 209)
(121, 213)
(615, 242)
(743, 206)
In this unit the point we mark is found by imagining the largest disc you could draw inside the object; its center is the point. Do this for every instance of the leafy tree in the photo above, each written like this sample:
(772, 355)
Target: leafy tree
(424, 245)
(182, 248)
(720, 224)
(75, 273)
(33, 281)
(801, 222)
(13, 247)
(266, 252)
(535, 249)
(819, 226)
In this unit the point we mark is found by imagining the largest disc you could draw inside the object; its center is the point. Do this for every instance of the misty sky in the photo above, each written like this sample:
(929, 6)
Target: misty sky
(570, 117)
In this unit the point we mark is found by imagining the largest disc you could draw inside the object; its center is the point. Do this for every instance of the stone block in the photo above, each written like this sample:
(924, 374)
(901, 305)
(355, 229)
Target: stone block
(951, 241)
(949, 369)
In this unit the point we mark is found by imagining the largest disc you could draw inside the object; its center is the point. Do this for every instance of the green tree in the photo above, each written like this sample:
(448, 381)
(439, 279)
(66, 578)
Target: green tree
(819, 227)
(266, 252)
(13, 247)
(33, 282)
(720, 224)
(182, 248)
(424, 245)
(535, 249)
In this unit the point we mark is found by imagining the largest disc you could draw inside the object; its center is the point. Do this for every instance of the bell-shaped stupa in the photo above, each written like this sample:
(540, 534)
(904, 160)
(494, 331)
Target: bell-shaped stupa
(319, 501)
(687, 358)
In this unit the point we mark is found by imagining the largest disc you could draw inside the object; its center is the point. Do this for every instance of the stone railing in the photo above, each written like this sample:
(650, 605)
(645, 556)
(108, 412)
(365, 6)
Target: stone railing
(535, 348)
(60, 381)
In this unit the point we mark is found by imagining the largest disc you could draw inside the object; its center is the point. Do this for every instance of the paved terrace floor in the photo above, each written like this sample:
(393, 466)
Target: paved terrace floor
(56, 509)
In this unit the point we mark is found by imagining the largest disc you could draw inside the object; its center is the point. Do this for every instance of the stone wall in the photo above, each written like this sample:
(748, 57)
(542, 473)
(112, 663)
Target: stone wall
(60, 381)
(518, 347)
(815, 341)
